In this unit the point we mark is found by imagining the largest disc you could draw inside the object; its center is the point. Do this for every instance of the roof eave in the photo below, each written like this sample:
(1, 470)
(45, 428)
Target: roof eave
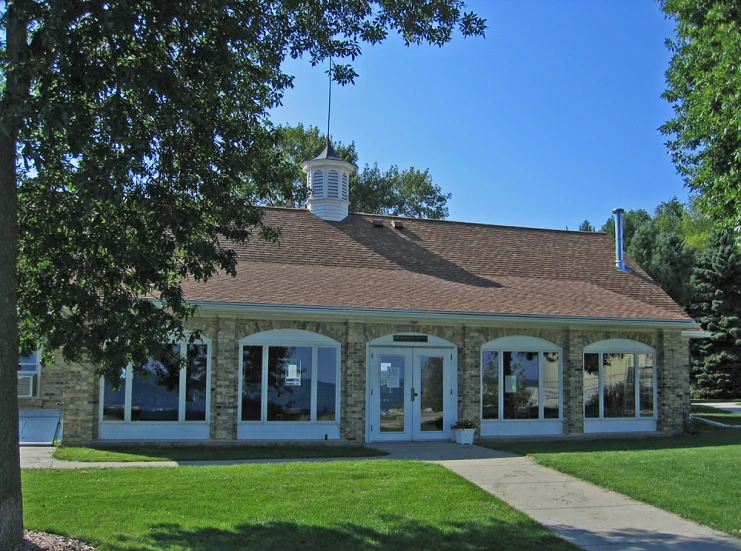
(416, 316)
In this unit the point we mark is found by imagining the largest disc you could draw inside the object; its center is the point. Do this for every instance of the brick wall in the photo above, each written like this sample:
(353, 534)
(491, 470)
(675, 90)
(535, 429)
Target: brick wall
(81, 397)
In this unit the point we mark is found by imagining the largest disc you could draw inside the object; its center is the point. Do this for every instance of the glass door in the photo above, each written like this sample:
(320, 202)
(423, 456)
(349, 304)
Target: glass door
(411, 394)
(428, 395)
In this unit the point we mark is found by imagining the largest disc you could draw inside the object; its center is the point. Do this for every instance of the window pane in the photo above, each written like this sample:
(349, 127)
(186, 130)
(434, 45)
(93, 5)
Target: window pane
(392, 394)
(326, 384)
(619, 385)
(195, 382)
(27, 363)
(114, 401)
(155, 391)
(646, 370)
(550, 385)
(251, 383)
(521, 385)
(490, 385)
(591, 385)
(289, 383)
(431, 393)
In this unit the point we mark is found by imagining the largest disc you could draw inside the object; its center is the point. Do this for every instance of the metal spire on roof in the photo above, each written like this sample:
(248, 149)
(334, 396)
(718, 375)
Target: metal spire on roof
(329, 104)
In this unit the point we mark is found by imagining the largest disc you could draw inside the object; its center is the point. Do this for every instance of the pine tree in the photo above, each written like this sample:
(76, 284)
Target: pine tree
(716, 304)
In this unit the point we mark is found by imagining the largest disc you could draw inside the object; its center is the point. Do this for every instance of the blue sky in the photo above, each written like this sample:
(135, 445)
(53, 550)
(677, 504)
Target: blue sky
(551, 119)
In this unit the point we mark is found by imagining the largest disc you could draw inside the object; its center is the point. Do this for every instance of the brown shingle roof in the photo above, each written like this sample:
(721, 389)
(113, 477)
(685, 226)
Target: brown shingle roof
(437, 266)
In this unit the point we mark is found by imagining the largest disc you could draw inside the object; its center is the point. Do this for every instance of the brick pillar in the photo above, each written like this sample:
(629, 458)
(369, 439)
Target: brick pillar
(673, 377)
(353, 369)
(80, 405)
(469, 375)
(225, 381)
(573, 382)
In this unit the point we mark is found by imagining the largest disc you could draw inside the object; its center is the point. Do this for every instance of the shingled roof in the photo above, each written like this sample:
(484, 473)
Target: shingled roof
(437, 266)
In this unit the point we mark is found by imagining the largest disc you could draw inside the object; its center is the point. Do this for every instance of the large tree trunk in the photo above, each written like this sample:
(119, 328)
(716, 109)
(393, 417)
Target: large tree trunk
(11, 507)
(11, 504)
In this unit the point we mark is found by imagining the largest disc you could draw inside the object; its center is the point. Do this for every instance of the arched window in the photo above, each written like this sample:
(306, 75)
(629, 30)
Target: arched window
(160, 392)
(345, 194)
(520, 379)
(317, 184)
(333, 184)
(289, 376)
(619, 380)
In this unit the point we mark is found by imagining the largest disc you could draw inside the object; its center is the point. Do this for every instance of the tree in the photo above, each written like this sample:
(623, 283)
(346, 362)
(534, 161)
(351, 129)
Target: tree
(397, 192)
(665, 244)
(716, 304)
(586, 226)
(135, 147)
(703, 86)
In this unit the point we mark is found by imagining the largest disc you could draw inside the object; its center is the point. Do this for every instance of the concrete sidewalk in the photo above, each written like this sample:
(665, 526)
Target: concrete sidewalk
(731, 407)
(589, 516)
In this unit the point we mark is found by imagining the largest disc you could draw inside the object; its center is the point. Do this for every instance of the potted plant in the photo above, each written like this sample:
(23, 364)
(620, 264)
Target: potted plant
(464, 430)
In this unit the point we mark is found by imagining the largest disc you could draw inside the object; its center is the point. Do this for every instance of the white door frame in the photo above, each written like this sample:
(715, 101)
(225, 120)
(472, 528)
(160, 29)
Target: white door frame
(411, 351)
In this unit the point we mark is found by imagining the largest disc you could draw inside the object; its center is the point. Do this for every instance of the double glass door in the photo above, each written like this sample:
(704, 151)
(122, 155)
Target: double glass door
(411, 394)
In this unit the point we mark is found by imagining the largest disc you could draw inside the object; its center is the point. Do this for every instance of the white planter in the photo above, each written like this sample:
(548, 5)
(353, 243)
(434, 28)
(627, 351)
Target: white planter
(464, 437)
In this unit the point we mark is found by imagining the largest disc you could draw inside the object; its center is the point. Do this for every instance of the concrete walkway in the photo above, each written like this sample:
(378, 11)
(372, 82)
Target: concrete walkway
(731, 407)
(589, 516)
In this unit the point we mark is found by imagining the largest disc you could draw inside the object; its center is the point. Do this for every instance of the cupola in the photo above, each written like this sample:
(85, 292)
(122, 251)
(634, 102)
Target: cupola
(328, 178)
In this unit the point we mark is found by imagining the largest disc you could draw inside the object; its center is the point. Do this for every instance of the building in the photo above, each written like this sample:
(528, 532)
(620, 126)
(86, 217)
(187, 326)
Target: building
(370, 328)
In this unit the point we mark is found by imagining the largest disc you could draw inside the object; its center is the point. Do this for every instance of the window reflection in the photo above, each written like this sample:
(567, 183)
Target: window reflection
(155, 389)
(646, 381)
(618, 378)
(520, 370)
(195, 382)
(326, 385)
(114, 401)
(251, 383)
(289, 383)
(490, 385)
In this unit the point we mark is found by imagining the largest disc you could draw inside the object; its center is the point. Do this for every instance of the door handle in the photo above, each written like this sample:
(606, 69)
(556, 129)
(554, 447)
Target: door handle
(414, 394)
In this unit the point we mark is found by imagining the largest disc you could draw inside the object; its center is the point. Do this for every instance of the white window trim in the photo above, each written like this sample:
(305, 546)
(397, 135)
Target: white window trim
(521, 344)
(289, 337)
(181, 394)
(621, 346)
(37, 364)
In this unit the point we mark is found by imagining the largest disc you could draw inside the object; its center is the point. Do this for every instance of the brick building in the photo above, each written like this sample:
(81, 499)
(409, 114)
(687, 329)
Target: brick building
(373, 328)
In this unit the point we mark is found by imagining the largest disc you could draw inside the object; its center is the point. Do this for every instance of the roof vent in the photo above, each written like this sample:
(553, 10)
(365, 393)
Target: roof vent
(398, 224)
(377, 223)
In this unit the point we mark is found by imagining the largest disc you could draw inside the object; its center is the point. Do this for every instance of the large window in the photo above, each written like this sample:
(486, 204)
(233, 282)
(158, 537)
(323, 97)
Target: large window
(29, 375)
(619, 380)
(520, 379)
(289, 376)
(165, 390)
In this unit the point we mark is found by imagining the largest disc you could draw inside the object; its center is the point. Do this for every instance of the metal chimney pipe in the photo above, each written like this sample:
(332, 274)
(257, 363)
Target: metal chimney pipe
(619, 240)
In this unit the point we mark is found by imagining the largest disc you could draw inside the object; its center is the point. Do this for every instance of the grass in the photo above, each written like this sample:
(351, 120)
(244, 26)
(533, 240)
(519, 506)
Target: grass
(209, 453)
(717, 415)
(693, 476)
(359, 505)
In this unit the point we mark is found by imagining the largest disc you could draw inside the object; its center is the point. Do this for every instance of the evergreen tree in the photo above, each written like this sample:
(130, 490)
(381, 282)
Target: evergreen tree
(716, 304)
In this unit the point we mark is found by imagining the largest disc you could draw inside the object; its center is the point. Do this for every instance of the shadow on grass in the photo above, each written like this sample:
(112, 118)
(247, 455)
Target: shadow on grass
(398, 534)
(706, 436)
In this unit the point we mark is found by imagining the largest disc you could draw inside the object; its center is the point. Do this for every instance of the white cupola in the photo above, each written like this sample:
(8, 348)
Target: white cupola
(328, 178)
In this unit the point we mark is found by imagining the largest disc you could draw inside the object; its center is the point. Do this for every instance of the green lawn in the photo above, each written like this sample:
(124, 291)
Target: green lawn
(694, 476)
(208, 453)
(717, 415)
(349, 505)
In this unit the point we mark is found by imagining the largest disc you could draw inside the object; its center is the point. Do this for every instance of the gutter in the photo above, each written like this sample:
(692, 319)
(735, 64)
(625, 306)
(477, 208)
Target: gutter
(691, 328)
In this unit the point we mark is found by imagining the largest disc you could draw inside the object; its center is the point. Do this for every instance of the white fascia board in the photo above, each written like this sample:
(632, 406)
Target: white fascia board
(418, 316)
(696, 334)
